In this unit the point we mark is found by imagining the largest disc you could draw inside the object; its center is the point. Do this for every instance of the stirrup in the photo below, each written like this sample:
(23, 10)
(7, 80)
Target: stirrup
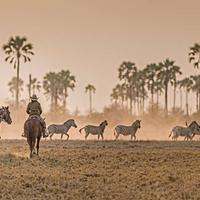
(23, 135)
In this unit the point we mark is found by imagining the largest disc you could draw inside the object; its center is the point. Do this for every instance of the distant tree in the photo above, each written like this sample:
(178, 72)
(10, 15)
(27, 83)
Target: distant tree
(18, 49)
(127, 74)
(67, 81)
(196, 88)
(186, 83)
(119, 94)
(194, 55)
(175, 71)
(90, 89)
(151, 76)
(13, 87)
(33, 85)
(167, 73)
(50, 83)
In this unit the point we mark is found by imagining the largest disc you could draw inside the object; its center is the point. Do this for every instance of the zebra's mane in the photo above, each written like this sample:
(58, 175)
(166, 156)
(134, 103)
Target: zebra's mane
(69, 120)
(192, 124)
(102, 123)
(135, 122)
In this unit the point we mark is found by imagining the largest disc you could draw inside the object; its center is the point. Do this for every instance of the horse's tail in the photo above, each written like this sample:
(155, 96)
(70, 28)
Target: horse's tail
(81, 129)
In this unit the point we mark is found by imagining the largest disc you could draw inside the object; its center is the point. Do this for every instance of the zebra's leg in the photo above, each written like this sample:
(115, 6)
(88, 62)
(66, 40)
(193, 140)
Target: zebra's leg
(67, 136)
(61, 136)
(98, 136)
(51, 136)
(86, 135)
(102, 136)
(117, 135)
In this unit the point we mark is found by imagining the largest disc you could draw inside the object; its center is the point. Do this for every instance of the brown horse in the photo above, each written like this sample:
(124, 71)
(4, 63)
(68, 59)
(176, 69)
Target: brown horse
(33, 130)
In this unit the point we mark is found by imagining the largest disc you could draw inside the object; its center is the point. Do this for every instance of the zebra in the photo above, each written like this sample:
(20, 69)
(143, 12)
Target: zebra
(95, 130)
(187, 132)
(60, 128)
(127, 130)
(195, 133)
(5, 115)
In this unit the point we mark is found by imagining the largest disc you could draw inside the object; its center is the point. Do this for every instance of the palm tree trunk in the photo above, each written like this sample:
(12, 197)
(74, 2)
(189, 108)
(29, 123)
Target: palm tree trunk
(17, 91)
(157, 98)
(29, 86)
(181, 99)
(186, 97)
(90, 101)
(166, 99)
(174, 104)
(197, 101)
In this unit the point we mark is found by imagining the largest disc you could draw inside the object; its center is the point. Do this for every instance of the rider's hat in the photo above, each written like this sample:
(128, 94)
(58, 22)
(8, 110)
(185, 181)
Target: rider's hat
(34, 97)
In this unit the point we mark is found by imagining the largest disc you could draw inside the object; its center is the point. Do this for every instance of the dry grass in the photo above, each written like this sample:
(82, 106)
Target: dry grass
(100, 170)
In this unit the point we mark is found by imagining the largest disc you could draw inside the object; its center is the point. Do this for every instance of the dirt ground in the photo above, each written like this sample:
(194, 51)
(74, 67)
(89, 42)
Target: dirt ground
(100, 170)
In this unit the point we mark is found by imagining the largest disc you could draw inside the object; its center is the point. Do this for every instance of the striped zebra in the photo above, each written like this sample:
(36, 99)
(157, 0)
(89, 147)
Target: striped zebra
(60, 128)
(195, 133)
(95, 130)
(186, 132)
(127, 130)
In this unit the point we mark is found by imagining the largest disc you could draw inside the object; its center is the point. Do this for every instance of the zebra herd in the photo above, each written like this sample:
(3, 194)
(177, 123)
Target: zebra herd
(93, 130)
(187, 132)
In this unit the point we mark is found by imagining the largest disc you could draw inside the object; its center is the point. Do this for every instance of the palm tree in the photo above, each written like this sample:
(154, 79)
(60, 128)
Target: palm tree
(67, 82)
(12, 84)
(194, 55)
(196, 88)
(128, 75)
(167, 73)
(90, 89)
(187, 84)
(18, 49)
(49, 86)
(119, 93)
(175, 71)
(151, 75)
(33, 85)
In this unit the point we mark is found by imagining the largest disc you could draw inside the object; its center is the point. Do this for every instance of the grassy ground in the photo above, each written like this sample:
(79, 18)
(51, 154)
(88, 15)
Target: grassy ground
(100, 170)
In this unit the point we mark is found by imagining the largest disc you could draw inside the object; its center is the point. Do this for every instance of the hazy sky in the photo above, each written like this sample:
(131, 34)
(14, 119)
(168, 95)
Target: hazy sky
(92, 37)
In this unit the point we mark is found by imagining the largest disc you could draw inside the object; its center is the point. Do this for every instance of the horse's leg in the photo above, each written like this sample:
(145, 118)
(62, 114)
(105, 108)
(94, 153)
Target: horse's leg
(38, 145)
(30, 147)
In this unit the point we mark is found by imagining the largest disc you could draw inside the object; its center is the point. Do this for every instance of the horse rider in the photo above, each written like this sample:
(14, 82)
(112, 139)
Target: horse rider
(34, 110)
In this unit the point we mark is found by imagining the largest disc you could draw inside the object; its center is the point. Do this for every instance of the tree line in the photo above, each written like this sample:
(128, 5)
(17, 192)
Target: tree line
(135, 85)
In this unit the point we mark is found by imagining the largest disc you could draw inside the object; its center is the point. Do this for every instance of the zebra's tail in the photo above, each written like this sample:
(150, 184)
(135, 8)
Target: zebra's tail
(114, 131)
(170, 134)
(81, 129)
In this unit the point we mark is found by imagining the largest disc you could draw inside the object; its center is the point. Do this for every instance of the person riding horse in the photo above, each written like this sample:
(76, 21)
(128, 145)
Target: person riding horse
(34, 110)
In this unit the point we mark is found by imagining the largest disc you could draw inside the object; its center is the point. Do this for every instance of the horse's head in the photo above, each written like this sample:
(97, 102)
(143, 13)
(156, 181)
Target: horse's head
(137, 123)
(5, 114)
(71, 122)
